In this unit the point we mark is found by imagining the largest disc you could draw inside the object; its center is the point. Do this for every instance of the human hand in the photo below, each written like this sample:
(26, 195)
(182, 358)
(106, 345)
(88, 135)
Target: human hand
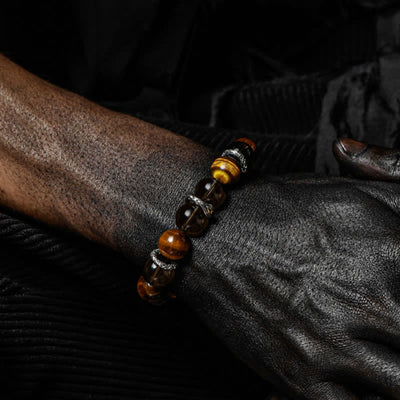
(299, 277)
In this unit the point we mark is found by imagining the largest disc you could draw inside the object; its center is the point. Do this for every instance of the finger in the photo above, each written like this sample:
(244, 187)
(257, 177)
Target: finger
(330, 391)
(366, 161)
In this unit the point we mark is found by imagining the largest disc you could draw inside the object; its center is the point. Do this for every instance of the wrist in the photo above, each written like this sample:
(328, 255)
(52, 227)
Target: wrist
(155, 181)
(71, 163)
(192, 219)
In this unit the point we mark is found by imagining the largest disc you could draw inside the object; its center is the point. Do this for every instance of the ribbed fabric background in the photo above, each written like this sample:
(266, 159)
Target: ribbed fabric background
(70, 328)
(277, 153)
(283, 107)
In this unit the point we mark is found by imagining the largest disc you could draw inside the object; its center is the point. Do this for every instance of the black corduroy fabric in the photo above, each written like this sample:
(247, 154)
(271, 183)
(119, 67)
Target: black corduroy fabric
(290, 106)
(65, 335)
(276, 153)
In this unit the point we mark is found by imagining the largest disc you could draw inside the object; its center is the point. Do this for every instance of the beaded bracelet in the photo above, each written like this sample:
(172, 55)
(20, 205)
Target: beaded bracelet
(192, 219)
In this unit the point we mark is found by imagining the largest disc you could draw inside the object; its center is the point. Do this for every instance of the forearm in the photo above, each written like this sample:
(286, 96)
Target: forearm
(76, 165)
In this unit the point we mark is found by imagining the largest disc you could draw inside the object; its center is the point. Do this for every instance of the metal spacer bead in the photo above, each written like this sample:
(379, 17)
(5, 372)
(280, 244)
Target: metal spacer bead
(237, 155)
(163, 265)
(208, 209)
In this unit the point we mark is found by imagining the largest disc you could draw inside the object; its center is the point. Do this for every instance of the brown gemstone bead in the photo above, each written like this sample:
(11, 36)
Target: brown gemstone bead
(174, 244)
(247, 141)
(225, 170)
(210, 191)
(150, 294)
(191, 219)
(156, 276)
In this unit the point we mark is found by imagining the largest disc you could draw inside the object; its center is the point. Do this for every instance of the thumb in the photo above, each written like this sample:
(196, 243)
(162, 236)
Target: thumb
(366, 161)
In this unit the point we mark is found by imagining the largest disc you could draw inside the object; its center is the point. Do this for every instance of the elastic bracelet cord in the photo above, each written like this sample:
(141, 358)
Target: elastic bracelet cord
(192, 219)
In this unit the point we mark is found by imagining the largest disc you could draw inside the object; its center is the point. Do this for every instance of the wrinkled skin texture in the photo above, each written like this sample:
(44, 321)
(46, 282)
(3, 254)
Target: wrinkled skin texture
(301, 279)
(298, 276)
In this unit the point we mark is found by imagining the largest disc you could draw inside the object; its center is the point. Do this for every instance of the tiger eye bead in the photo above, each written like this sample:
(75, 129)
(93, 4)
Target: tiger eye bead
(210, 191)
(248, 142)
(225, 170)
(191, 219)
(156, 276)
(173, 244)
(149, 293)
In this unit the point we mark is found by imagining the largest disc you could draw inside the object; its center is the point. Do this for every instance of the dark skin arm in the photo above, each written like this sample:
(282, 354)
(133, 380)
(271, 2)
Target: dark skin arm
(296, 275)
(78, 166)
